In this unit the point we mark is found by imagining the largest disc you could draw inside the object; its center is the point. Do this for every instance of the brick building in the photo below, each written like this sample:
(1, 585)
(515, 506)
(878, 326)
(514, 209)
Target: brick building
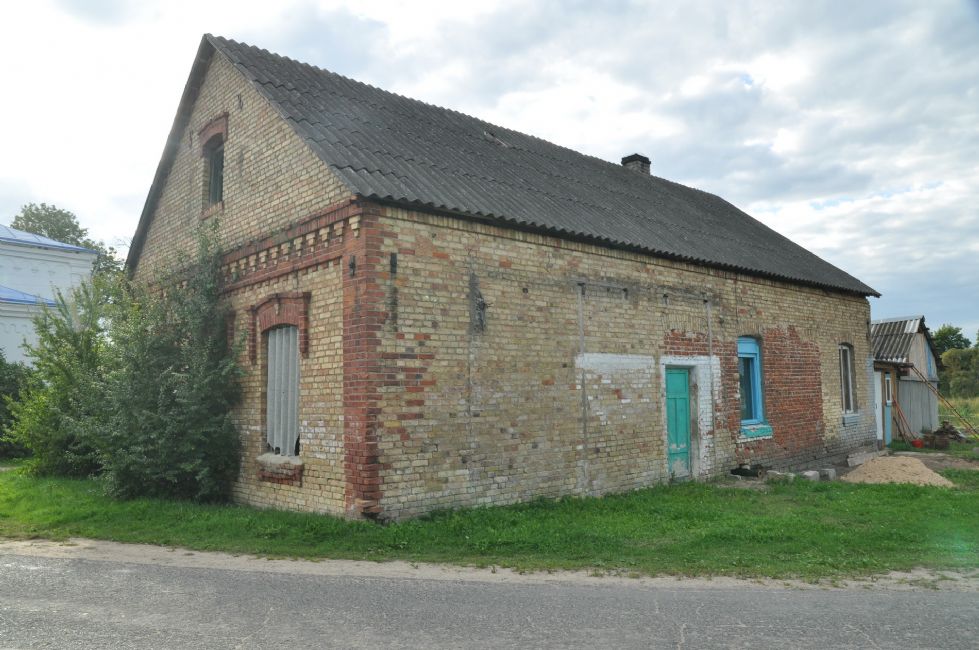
(440, 312)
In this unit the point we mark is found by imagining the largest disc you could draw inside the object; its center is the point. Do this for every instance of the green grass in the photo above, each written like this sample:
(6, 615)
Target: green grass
(964, 450)
(801, 529)
(968, 407)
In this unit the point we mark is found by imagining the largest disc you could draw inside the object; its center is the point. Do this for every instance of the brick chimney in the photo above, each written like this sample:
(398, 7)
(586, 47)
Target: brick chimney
(637, 163)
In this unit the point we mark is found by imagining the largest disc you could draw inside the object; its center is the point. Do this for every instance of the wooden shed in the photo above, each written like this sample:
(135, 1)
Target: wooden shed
(905, 377)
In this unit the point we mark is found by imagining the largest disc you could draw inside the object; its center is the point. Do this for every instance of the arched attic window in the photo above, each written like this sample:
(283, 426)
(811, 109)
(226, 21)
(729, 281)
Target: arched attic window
(213, 137)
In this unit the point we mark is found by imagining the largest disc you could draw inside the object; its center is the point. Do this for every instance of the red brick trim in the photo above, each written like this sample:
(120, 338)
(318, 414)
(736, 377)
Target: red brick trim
(364, 315)
(217, 126)
(230, 326)
(282, 473)
(318, 239)
(283, 308)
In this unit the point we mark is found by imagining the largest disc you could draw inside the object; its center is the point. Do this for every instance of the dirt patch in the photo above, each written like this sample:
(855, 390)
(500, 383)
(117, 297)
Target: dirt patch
(938, 462)
(896, 469)
(100, 551)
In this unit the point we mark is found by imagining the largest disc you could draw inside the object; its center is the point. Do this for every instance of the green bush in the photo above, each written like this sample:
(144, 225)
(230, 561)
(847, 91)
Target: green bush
(137, 385)
(63, 402)
(960, 377)
(13, 379)
(173, 384)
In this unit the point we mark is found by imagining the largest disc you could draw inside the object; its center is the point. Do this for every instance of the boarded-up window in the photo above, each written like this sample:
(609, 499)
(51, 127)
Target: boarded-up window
(282, 407)
(848, 379)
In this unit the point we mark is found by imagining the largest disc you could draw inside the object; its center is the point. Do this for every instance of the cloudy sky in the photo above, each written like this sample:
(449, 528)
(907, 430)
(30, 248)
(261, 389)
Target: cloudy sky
(851, 127)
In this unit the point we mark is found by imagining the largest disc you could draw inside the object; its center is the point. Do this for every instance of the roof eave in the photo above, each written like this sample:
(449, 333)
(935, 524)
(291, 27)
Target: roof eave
(600, 241)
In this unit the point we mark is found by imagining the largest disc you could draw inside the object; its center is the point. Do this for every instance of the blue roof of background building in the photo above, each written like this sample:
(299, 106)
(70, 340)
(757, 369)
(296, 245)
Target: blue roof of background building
(20, 298)
(14, 236)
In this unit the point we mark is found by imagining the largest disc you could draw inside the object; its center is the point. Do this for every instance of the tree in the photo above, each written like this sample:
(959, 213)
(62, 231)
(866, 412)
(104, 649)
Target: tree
(948, 337)
(961, 373)
(14, 377)
(137, 384)
(63, 405)
(62, 225)
(173, 385)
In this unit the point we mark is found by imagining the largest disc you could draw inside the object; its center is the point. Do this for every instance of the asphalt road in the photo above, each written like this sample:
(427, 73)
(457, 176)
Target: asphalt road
(114, 602)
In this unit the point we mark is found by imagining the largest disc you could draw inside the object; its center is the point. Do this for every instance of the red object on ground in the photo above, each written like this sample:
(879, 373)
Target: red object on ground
(917, 444)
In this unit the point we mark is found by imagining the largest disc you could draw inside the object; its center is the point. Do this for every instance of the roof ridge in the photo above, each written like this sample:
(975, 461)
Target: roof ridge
(610, 164)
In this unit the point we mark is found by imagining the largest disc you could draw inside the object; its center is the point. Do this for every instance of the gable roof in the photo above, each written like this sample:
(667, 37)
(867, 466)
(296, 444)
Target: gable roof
(22, 238)
(892, 338)
(398, 150)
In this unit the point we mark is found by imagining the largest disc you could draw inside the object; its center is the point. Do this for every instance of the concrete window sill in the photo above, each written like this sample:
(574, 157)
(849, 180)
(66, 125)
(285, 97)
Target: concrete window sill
(752, 432)
(849, 419)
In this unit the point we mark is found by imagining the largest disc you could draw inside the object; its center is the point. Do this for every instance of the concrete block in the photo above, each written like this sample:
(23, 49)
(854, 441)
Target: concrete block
(828, 474)
(810, 475)
(780, 476)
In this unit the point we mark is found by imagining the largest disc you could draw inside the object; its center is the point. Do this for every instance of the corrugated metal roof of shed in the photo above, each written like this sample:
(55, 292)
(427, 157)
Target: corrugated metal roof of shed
(892, 338)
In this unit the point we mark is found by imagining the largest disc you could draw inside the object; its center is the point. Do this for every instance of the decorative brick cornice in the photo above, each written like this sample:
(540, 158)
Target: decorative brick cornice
(217, 126)
(315, 240)
(283, 308)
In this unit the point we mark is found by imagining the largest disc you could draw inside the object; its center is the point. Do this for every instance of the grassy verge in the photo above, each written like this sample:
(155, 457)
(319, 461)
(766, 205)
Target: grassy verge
(968, 407)
(966, 450)
(805, 530)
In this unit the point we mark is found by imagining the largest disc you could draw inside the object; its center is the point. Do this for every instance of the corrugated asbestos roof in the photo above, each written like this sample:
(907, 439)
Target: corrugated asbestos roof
(14, 236)
(391, 148)
(892, 338)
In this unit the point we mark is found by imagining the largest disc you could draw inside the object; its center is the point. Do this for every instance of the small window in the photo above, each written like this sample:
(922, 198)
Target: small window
(749, 375)
(848, 379)
(214, 172)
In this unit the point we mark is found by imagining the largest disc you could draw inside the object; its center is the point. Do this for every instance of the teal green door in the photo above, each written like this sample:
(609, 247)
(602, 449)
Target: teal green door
(678, 421)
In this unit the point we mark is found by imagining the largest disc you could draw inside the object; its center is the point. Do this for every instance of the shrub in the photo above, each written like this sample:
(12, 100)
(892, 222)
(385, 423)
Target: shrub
(173, 385)
(13, 379)
(136, 384)
(64, 400)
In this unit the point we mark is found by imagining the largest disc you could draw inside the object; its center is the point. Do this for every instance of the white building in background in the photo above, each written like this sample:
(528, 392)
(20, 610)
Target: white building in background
(32, 270)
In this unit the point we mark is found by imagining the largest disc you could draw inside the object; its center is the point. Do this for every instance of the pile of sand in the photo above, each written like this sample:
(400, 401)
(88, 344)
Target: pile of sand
(896, 469)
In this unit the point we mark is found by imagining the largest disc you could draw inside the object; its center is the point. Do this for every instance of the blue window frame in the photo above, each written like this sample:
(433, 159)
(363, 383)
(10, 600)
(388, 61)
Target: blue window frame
(753, 423)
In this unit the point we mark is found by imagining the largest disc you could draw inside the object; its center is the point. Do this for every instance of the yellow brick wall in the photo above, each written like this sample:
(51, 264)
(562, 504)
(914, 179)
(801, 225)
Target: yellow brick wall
(320, 397)
(500, 418)
(561, 393)
(271, 178)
